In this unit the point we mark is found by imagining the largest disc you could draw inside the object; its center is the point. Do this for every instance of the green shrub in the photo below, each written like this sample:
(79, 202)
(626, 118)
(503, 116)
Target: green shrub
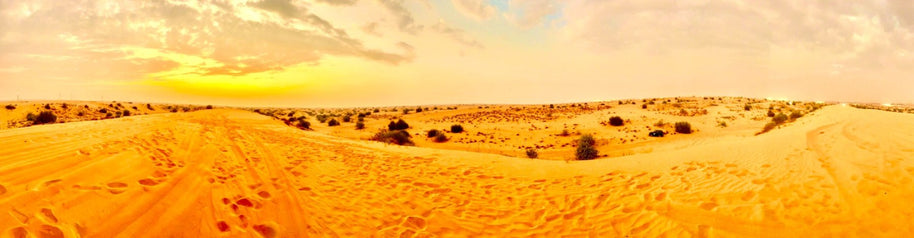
(586, 150)
(683, 127)
(45, 117)
(440, 138)
(456, 128)
(399, 125)
(780, 118)
(399, 137)
(333, 122)
(432, 133)
(359, 125)
(616, 121)
(794, 115)
(531, 153)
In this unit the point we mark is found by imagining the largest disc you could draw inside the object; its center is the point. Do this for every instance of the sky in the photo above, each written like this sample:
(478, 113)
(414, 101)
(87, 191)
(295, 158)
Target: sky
(359, 53)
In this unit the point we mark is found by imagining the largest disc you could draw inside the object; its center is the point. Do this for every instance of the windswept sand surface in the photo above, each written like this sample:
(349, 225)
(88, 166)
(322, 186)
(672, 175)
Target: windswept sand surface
(842, 171)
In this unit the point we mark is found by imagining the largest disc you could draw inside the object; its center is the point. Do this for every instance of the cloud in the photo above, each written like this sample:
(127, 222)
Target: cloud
(241, 38)
(338, 2)
(476, 9)
(530, 13)
(404, 17)
(457, 35)
(372, 29)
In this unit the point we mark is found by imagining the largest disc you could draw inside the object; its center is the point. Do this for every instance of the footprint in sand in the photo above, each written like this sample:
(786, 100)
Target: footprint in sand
(117, 187)
(18, 232)
(223, 227)
(147, 182)
(47, 215)
(265, 230)
(50, 231)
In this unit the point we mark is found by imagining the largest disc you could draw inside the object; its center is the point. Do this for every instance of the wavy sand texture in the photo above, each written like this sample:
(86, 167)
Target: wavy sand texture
(842, 172)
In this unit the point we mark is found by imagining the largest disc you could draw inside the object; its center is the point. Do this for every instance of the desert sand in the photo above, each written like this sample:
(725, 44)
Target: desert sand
(838, 171)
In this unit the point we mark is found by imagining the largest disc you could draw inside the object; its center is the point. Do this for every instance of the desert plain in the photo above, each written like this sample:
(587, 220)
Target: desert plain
(161, 170)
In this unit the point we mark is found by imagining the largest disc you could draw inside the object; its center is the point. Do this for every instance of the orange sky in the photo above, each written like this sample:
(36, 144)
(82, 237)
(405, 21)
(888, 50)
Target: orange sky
(328, 53)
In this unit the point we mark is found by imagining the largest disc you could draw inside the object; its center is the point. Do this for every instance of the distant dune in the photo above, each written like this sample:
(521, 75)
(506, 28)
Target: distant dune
(839, 171)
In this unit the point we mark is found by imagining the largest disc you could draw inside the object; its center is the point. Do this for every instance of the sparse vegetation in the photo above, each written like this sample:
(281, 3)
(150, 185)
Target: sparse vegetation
(456, 128)
(432, 133)
(44, 117)
(531, 153)
(586, 150)
(780, 118)
(565, 133)
(304, 124)
(683, 127)
(399, 137)
(616, 121)
(10, 107)
(333, 122)
(209, 106)
(399, 125)
(126, 113)
(795, 115)
(359, 125)
(440, 138)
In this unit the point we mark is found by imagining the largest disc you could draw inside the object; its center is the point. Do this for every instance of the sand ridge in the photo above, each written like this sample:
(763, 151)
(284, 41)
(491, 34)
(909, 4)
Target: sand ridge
(839, 171)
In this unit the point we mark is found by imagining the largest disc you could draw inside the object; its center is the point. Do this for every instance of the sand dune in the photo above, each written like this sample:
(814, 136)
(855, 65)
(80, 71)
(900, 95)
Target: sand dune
(839, 171)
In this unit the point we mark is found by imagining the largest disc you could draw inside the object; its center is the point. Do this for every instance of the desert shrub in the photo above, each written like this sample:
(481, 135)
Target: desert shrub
(47, 106)
(643, 106)
(149, 106)
(794, 115)
(747, 107)
(64, 106)
(81, 113)
(616, 121)
(322, 118)
(31, 117)
(45, 117)
(399, 137)
(456, 128)
(586, 150)
(770, 113)
(780, 118)
(405, 110)
(440, 138)
(361, 119)
(660, 123)
(551, 106)
(126, 113)
(347, 119)
(304, 124)
(10, 107)
(531, 153)
(174, 110)
(399, 125)
(565, 133)
(359, 125)
(683, 127)
(109, 115)
(377, 110)
(722, 124)
(333, 122)
(432, 133)
(418, 109)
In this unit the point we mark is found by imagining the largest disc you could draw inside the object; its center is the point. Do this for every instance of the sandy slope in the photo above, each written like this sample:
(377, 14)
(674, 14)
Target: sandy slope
(839, 171)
